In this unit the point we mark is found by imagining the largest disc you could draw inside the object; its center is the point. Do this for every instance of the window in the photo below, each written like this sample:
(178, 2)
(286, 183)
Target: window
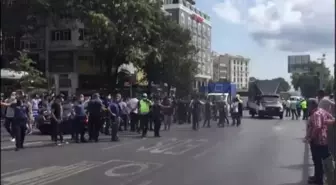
(61, 35)
(82, 33)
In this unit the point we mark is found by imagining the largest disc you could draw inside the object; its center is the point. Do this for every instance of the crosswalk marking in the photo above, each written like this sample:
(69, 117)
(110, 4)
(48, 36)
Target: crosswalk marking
(49, 174)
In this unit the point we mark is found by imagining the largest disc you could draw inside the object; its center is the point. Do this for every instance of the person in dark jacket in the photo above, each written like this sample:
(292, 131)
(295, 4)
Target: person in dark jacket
(114, 111)
(157, 116)
(95, 109)
(21, 115)
(207, 114)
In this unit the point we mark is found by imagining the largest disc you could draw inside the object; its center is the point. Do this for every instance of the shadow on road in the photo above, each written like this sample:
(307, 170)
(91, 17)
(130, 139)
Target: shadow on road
(297, 183)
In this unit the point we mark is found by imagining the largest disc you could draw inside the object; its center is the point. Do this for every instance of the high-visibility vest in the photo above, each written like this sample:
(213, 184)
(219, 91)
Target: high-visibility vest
(144, 107)
(304, 104)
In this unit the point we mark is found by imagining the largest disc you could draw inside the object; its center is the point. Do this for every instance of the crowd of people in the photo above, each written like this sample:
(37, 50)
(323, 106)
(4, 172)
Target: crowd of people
(110, 114)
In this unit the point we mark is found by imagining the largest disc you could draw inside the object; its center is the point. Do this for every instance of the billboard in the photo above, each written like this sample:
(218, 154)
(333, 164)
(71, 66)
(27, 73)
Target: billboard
(298, 63)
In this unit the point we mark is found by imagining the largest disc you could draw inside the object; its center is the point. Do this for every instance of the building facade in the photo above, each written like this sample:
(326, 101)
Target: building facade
(188, 16)
(232, 68)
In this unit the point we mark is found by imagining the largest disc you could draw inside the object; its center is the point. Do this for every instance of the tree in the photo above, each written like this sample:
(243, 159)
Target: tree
(283, 86)
(31, 77)
(117, 30)
(309, 82)
(330, 88)
(171, 61)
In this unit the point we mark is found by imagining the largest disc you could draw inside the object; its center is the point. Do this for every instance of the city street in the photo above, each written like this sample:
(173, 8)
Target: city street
(260, 152)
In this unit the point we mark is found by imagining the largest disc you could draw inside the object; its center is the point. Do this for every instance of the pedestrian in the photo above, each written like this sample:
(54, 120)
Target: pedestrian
(123, 112)
(287, 108)
(168, 112)
(95, 109)
(114, 112)
(207, 113)
(293, 103)
(144, 109)
(132, 105)
(235, 114)
(35, 106)
(79, 120)
(106, 115)
(304, 107)
(30, 120)
(223, 109)
(298, 107)
(21, 116)
(157, 117)
(316, 136)
(9, 116)
(67, 118)
(195, 106)
(56, 121)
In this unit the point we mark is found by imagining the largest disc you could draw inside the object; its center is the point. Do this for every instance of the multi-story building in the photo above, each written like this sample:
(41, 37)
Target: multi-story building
(188, 16)
(220, 67)
(232, 68)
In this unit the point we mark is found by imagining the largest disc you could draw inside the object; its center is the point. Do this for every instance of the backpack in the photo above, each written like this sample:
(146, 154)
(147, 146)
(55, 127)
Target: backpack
(20, 112)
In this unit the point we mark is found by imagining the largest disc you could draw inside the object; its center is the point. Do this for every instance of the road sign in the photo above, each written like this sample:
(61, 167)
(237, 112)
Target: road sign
(298, 63)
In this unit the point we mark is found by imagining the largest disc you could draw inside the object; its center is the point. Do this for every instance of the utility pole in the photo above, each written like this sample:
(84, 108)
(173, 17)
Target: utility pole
(321, 71)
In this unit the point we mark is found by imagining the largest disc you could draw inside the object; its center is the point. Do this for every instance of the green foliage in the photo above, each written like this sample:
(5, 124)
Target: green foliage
(309, 82)
(172, 62)
(32, 77)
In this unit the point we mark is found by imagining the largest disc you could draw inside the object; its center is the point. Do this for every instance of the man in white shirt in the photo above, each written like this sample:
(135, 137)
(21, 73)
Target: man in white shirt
(132, 105)
(9, 116)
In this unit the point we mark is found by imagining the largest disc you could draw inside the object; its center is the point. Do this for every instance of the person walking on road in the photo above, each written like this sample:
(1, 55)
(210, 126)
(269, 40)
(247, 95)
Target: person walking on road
(236, 115)
(157, 116)
(114, 111)
(95, 108)
(21, 117)
(288, 109)
(317, 138)
(293, 105)
(168, 112)
(56, 121)
(9, 116)
(195, 106)
(132, 105)
(304, 108)
(144, 110)
(79, 120)
(207, 113)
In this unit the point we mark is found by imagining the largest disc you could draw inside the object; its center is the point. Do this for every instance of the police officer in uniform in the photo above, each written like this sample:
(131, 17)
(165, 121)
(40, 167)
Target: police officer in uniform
(114, 111)
(21, 115)
(95, 109)
(144, 109)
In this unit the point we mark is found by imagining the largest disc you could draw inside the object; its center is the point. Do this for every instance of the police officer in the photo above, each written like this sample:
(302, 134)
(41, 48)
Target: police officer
(114, 111)
(95, 108)
(79, 120)
(144, 109)
(21, 115)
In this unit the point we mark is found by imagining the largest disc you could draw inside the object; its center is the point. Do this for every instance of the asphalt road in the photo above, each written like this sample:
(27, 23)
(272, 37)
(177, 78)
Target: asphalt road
(260, 152)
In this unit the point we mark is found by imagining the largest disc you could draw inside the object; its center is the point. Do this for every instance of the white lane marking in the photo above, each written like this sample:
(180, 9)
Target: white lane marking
(206, 151)
(188, 147)
(277, 128)
(147, 182)
(123, 144)
(158, 145)
(14, 172)
(170, 146)
(25, 144)
(140, 168)
(50, 174)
